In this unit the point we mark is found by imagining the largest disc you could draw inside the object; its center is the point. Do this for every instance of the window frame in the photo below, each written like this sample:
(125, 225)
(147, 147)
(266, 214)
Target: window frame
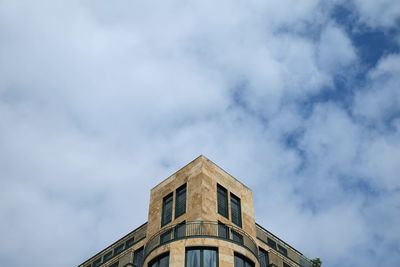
(222, 189)
(166, 220)
(235, 199)
(158, 258)
(178, 194)
(138, 255)
(281, 249)
(266, 256)
(243, 258)
(202, 248)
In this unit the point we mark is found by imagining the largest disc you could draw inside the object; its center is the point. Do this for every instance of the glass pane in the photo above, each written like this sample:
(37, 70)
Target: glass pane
(237, 237)
(180, 230)
(164, 262)
(238, 262)
(193, 258)
(222, 230)
(155, 264)
(236, 210)
(165, 237)
(222, 201)
(167, 210)
(209, 258)
(264, 261)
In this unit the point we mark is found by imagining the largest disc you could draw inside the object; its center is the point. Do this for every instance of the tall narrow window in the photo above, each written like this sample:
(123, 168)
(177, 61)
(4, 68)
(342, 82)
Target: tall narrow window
(242, 261)
(236, 210)
(222, 201)
(166, 216)
(180, 201)
(201, 257)
(138, 257)
(161, 261)
(264, 258)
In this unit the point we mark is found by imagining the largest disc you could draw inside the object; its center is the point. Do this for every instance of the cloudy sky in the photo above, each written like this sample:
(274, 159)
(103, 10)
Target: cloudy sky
(100, 100)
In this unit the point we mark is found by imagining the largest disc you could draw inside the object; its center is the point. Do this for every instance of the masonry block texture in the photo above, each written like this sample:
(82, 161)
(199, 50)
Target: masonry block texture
(201, 177)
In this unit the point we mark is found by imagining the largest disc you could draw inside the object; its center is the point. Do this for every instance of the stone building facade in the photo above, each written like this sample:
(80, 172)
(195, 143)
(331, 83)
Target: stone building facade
(199, 217)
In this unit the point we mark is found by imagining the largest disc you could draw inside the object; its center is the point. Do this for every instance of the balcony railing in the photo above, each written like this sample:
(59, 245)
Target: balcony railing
(203, 230)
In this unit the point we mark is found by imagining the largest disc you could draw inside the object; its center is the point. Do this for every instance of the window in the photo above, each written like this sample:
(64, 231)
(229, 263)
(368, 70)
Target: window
(166, 236)
(160, 261)
(271, 243)
(282, 250)
(286, 265)
(242, 261)
(118, 249)
(180, 202)
(222, 196)
(180, 230)
(264, 258)
(129, 243)
(166, 216)
(237, 237)
(201, 257)
(107, 256)
(236, 210)
(222, 230)
(97, 262)
(138, 257)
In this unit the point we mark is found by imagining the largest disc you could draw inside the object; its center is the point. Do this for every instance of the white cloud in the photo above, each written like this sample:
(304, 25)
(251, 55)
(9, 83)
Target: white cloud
(380, 100)
(335, 51)
(384, 13)
(99, 101)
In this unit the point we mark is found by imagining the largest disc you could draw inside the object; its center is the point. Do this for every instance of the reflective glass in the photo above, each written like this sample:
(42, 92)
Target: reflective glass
(193, 258)
(209, 258)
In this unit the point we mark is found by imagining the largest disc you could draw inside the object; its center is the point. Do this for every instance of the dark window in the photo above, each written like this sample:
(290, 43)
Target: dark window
(107, 256)
(242, 261)
(222, 201)
(166, 236)
(201, 257)
(237, 237)
(180, 201)
(138, 257)
(160, 261)
(282, 250)
(236, 210)
(222, 230)
(271, 243)
(97, 262)
(118, 249)
(115, 264)
(286, 265)
(264, 258)
(167, 210)
(180, 230)
(129, 243)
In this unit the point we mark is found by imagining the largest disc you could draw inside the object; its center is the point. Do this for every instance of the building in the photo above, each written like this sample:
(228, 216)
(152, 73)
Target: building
(199, 217)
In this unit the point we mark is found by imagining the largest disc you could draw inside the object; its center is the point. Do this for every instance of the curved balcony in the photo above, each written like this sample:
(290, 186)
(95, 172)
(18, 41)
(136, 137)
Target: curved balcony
(204, 230)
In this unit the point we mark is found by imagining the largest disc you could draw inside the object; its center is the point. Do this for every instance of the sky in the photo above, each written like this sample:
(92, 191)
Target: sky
(101, 100)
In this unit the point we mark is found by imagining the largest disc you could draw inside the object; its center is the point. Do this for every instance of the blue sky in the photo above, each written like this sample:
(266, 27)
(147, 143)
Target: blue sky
(101, 100)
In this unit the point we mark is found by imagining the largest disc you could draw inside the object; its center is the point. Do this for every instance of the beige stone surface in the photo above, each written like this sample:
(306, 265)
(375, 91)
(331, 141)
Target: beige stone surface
(201, 177)
(177, 249)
